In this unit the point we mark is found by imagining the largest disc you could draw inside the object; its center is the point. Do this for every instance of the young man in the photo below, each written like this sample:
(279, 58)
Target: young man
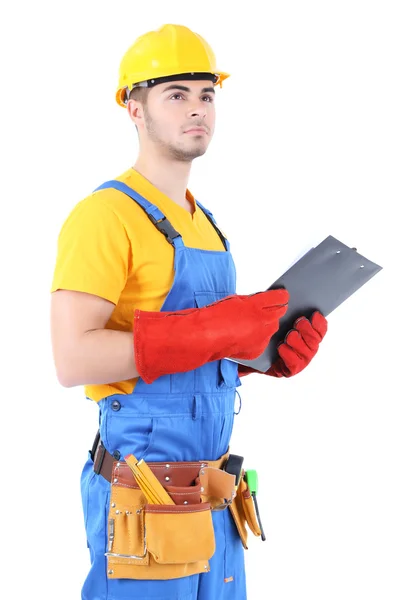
(144, 313)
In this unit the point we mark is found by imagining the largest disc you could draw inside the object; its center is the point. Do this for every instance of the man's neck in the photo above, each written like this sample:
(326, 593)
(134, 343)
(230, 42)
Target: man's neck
(171, 178)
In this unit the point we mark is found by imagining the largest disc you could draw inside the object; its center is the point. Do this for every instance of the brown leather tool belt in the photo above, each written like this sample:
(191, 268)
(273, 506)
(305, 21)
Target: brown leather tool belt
(139, 533)
(216, 485)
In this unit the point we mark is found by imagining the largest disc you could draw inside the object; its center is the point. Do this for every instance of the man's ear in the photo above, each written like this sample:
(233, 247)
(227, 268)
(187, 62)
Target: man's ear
(136, 112)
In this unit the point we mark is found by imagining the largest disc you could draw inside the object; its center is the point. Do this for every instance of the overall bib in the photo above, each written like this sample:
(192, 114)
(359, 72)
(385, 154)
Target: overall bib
(179, 417)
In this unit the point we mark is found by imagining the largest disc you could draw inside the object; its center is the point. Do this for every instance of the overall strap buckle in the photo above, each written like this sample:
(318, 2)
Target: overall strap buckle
(165, 227)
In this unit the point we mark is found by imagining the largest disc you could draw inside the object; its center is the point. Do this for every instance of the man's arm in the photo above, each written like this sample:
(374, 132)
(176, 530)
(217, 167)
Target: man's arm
(84, 351)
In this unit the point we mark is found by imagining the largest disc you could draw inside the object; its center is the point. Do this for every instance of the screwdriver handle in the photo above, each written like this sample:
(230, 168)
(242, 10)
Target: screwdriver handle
(251, 479)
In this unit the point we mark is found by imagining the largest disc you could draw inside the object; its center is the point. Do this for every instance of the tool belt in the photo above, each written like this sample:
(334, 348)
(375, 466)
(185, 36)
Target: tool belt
(164, 541)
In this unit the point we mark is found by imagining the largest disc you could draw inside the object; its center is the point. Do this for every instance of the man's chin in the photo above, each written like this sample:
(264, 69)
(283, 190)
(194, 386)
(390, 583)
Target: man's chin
(198, 149)
(187, 155)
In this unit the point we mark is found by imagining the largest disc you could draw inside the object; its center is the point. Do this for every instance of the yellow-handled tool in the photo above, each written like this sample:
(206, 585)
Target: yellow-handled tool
(148, 482)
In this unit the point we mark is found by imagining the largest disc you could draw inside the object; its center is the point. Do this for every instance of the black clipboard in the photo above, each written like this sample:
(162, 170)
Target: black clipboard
(321, 280)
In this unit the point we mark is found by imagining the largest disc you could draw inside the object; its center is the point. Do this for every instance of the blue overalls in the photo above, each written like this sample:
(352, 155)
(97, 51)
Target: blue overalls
(179, 417)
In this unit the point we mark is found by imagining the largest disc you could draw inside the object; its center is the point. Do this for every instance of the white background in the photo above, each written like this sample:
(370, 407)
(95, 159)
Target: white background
(306, 145)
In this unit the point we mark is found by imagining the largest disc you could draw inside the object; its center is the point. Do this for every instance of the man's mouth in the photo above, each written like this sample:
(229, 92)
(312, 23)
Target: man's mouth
(196, 130)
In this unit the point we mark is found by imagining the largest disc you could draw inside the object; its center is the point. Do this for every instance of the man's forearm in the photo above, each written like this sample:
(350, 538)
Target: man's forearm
(100, 356)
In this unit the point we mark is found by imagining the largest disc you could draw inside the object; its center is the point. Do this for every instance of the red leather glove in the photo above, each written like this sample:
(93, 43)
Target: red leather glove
(177, 341)
(299, 347)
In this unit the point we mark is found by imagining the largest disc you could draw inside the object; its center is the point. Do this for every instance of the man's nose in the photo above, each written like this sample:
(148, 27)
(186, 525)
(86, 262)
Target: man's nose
(198, 109)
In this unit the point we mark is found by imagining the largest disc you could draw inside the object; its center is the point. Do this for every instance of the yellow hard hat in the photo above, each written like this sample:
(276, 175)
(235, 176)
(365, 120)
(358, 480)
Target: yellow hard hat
(169, 53)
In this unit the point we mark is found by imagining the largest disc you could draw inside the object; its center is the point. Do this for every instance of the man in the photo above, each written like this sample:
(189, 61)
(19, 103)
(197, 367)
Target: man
(141, 255)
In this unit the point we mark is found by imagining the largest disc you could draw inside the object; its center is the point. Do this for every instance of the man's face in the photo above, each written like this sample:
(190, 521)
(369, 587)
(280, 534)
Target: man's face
(179, 118)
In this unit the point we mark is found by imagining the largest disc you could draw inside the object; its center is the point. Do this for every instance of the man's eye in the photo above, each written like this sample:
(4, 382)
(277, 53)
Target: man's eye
(209, 98)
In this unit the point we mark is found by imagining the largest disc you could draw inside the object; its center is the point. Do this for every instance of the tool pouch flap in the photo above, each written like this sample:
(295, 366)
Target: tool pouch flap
(244, 513)
(218, 487)
(248, 507)
(178, 534)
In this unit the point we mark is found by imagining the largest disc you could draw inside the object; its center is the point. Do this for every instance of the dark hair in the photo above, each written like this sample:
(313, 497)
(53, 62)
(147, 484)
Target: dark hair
(139, 94)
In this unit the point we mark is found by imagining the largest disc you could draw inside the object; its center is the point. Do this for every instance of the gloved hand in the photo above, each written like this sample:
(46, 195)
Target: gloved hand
(299, 347)
(179, 341)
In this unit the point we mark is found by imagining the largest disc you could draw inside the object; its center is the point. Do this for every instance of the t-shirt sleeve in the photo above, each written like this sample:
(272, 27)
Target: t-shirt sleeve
(93, 251)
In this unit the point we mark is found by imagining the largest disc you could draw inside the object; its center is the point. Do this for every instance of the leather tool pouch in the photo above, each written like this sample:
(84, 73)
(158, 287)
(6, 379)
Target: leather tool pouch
(147, 541)
(179, 534)
(244, 513)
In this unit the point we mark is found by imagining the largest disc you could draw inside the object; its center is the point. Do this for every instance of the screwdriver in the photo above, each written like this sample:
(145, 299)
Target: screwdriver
(251, 478)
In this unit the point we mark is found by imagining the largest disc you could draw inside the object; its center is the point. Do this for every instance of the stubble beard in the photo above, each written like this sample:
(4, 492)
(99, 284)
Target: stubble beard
(172, 151)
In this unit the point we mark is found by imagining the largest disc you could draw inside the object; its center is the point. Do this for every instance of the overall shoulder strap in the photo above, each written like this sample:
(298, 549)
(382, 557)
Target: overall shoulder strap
(212, 220)
(155, 215)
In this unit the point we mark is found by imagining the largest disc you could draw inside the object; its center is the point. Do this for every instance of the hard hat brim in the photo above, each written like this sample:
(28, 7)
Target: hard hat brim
(218, 77)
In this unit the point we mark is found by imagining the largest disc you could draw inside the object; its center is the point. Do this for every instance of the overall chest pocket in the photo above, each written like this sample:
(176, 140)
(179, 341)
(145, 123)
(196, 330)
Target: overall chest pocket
(227, 369)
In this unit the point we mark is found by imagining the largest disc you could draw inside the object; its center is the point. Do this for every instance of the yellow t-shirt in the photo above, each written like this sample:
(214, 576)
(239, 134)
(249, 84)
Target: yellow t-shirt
(108, 247)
